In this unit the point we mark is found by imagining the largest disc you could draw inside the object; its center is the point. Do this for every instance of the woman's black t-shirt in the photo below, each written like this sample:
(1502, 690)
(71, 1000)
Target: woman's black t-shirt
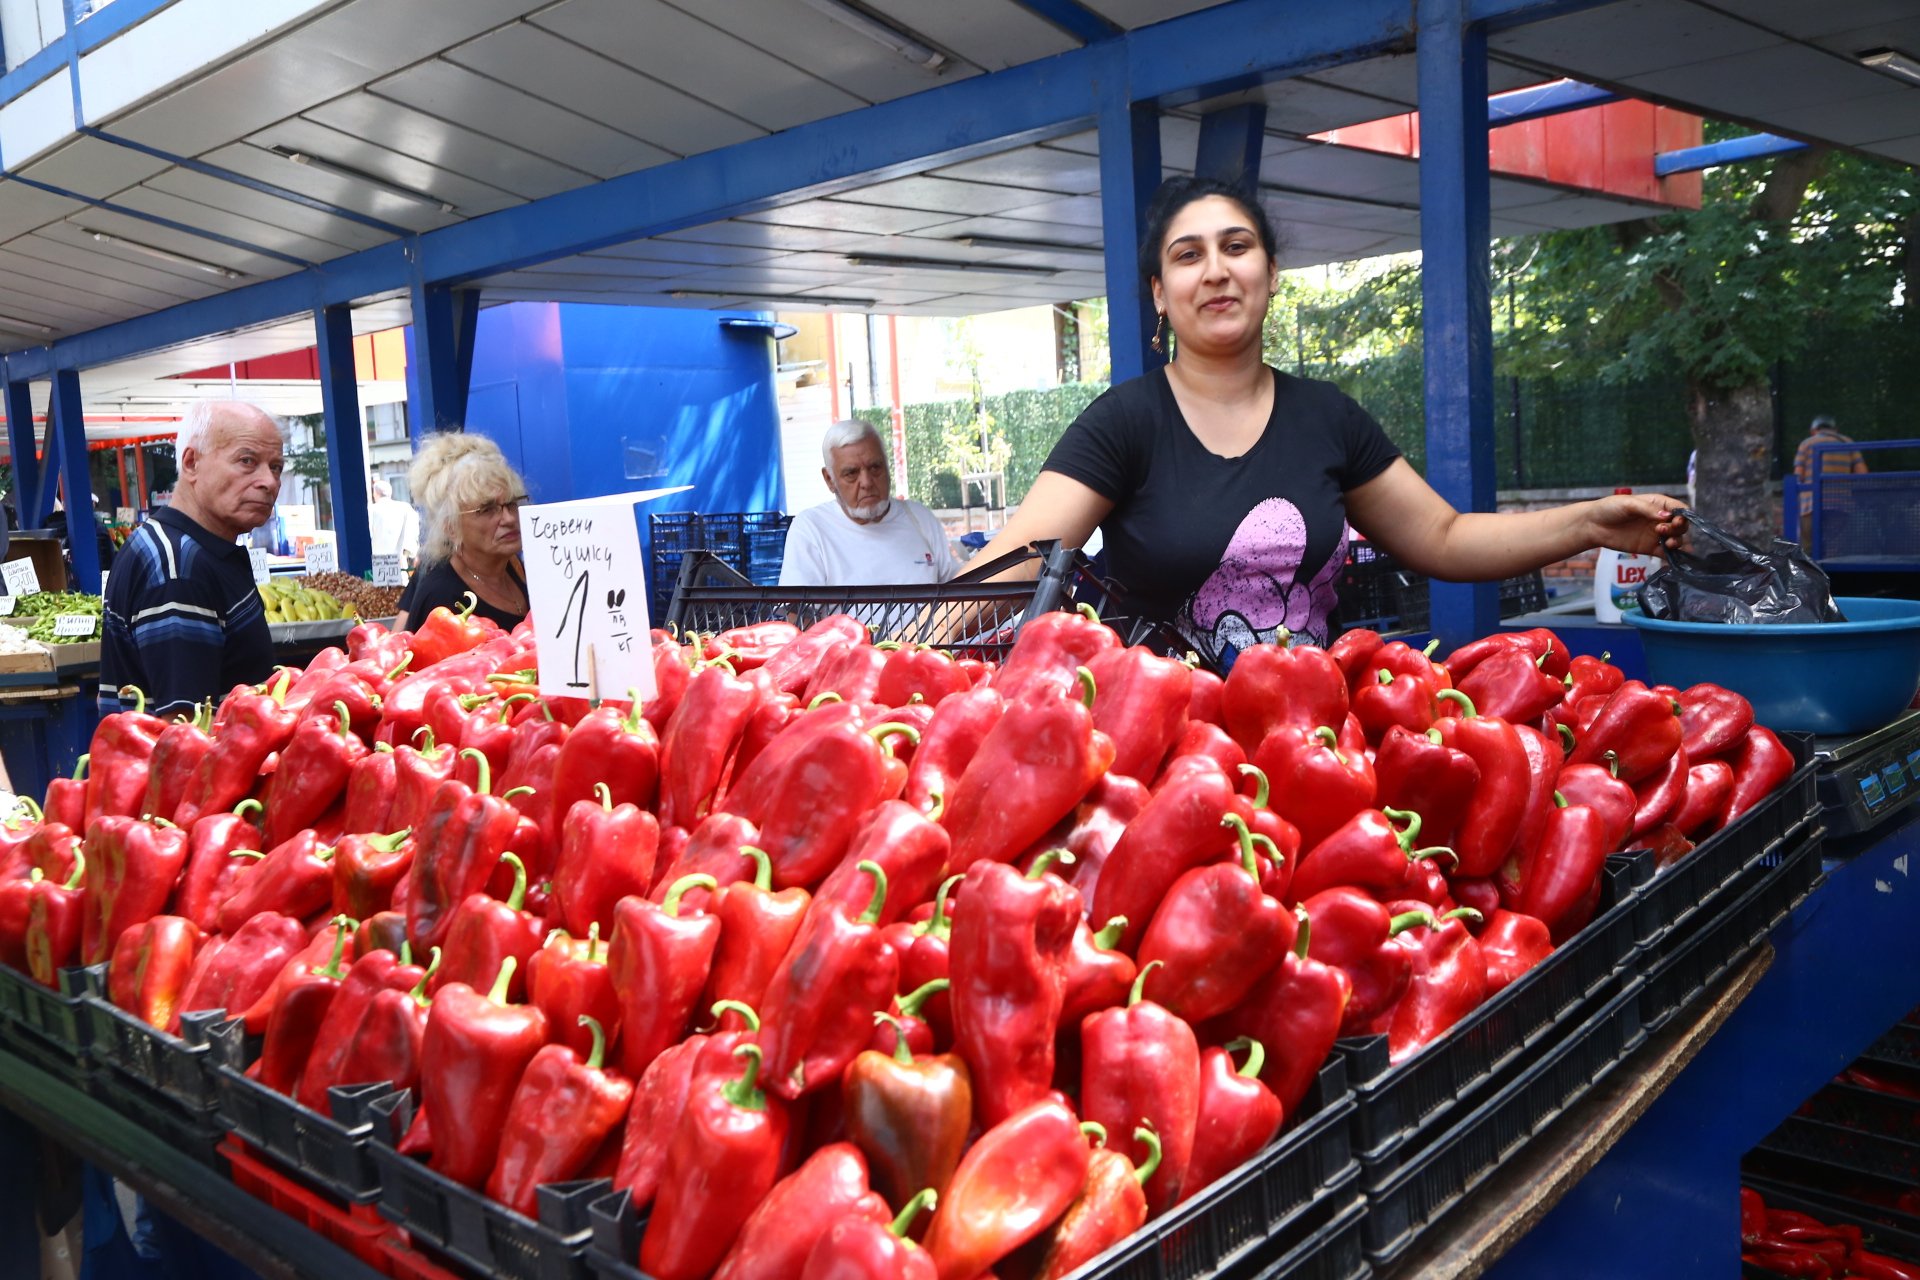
(439, 584)
(1228, 550)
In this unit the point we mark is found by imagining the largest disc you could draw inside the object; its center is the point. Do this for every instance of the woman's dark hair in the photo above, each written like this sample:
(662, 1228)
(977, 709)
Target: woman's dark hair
(1176, 194)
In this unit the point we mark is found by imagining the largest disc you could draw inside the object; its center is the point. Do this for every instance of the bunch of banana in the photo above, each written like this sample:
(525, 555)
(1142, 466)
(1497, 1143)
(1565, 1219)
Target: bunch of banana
(288, 601)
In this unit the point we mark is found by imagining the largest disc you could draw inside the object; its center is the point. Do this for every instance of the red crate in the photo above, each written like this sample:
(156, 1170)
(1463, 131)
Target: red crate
(358, 1229)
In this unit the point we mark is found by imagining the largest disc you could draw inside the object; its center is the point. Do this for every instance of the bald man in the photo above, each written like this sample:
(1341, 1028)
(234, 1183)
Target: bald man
(183, 621)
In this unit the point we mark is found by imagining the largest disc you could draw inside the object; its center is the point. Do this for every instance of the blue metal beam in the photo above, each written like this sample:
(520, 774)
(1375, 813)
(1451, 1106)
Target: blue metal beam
(440, 366)
(67, 419)
(24, 448)
(1755, 146)
(1074, 18)
(49, 486)
(1455, 235)
(82, 37)
(1129, 171)
(1231, 141)
(278, 192)
(1543, 100)
(346, 437)
(154, 218)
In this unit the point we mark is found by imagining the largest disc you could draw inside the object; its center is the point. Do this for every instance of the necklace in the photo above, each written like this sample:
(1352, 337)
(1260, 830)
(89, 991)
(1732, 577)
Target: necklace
(501, 585)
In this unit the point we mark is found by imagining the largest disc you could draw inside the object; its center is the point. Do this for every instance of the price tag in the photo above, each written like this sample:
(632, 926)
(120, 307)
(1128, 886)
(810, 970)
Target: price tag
(75, 624)
(19, 578)
(258, 559)
(321, 558)
(584, 572)
(125, 515)
(6, 605)
(387, 572)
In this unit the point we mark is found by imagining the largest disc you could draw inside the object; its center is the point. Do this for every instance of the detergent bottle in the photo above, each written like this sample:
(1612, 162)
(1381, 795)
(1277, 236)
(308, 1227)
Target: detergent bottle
(1617, 578)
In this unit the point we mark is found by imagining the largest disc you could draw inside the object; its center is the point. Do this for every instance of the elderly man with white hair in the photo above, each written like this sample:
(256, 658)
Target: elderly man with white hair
(864, 536)
(183, 621)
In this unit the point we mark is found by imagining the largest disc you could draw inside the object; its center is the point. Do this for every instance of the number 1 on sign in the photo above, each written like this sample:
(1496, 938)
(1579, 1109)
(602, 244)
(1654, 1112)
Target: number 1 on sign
(578, 615)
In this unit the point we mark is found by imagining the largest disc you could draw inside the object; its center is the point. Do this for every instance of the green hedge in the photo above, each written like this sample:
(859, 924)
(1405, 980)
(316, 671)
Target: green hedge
(1029, 420)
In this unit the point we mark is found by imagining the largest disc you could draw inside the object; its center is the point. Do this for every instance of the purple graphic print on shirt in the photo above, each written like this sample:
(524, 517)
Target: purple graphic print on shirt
(1256, 590)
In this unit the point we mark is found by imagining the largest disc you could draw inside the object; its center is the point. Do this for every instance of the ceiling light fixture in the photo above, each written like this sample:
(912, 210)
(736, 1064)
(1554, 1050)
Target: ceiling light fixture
(373, 180)
(941, 264)
(899, 42)
(1893, 63)
(24, 326)
(750, 295)
(165, 255)
(1030, 246)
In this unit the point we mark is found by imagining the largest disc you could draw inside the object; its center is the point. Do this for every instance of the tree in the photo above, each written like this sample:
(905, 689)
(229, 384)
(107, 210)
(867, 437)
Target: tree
(1721, 295)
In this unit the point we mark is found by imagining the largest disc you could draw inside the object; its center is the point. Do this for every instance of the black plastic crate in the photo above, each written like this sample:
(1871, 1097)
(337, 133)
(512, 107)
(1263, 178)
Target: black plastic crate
(48, 1027)
(1446, 1170)
(1888, 1232)
(175, 1067)
(1330, 1252)
(193, 1134)
(1377, 592)
(1900, 1046)
(1277, 1200)
(474, 1231)
(1859, 1107)
(1677, 979)
(1695, 890)
(1836, 1194)
(1838, 1144)
(1399, 1106)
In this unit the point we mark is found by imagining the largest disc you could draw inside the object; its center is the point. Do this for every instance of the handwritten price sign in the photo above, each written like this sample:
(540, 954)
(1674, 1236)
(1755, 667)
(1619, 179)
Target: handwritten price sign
(586, 589)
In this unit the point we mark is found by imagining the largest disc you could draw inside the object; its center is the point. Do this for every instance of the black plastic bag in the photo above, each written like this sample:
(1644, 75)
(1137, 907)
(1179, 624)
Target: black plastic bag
(1719, 578)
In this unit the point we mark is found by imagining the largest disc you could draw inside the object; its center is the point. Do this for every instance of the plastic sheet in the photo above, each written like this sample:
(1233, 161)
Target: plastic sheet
(1718, 578)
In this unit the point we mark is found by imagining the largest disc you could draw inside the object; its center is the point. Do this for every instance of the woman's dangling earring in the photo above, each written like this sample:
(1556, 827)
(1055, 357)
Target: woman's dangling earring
(1158, 342)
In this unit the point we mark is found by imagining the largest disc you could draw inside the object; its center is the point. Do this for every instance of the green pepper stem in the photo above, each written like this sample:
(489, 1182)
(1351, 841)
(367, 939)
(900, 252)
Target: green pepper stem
(1110, 933)
(346, 719)
(140, 696)
(878, 902)
(1412, 919)
(745, 1092)
(1559, 800)
(517, 900)
(631, 721)
(419, 992)
(1245, 836)
(80, 766)
(1454, 695)
(762, 866)
(593, 942)
(1140, 982)
(1567, 739)
(915, 1000)
(823, 699)
(505, 979)
(1410, 833)
(902, 1051)
(248, 806)
(1433, 851)
(1045, 861)
(937, 804)
(1262, 788)
(747, 1015)
(1095, 1132)
(940, 925)
(1464, 913)
(332, 969)
(885, 733)
(1385, 677)
(1255, 1051)
(679, 889)
(1087, 611)
(902, 1223)
(391, 841)
(485, 766)
(606, 795)
(1331, 740)
(1265, 842)
(1087, 687)
(79, 868)
(1304, 934)
(599, 1054)
(1146, 1137)
(1613, 762)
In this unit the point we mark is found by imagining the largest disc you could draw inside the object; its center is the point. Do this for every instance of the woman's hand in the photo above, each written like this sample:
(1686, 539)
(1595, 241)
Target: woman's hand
(1640, 523)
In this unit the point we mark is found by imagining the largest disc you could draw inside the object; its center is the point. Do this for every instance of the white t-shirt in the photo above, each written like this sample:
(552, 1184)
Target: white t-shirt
(907, 545)
(395, 527)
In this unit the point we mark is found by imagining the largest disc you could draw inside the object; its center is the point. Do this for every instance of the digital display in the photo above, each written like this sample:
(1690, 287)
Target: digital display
(1871, 792)
(1913, 762)
(1896, 780)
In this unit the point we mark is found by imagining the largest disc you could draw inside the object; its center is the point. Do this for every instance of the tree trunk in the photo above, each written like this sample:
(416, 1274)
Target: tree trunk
(1733, 430)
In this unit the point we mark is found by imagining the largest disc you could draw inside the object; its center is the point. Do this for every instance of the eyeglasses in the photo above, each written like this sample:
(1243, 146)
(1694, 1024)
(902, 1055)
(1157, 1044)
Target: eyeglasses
(494, 510)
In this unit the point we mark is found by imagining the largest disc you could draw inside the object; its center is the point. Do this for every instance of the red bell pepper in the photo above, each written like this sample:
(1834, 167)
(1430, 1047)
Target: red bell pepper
(751, 646)
(1298, 1010)
(1595, 786)
(568, 979)
(458, 847)
(612, 750)
(783, 1229)
(56, 917)
(1352, 651)
(1660, 795)
(1703, 809)
(298, 1016)
(1369, 852)
(1270, 687)
(295, 879)
(1098, 822)
(388, 1037)
(131, 869)
(1389, 700)
(1111, 1207)
(562, 1111)
(17, 904)
(757, 930)
(1544, 758)
(1355, 933)
(484, 932)
(1539, 644)
(926, 956)
(919, 671)
(1560, 873)
(1640, 728)
(851, 674)
(659, 958)
(177, 752)
(1761, 763)
(607, 851)
(1050, 649)
(910, 1113)
(1712, 720)
(1588, 676)
(121, 753)
(250, 726)
(417, 775)
(911, 847)
(445, 633)
(1140, 1065)
(960, 724)
(820, 1004)
(1315, 783)
(723, 1160)
(771, 716)
(789, 668)
(1415, 771)
(1238, 1114)
(1098, 976)
(1021, 1175)
(856, 1247)
(1009, 947)
(1511, 686)
(312, 777)
(659, 1099)
(1202, 738)
(1142, 707)
(1511, 943)
(213, 864)
(233, 971)
(1448, 982)
(367, 869)
(1499, 803)
(150, 966)
(476, 1049)
(66, 801)
(1215, 936)
(1182, 827)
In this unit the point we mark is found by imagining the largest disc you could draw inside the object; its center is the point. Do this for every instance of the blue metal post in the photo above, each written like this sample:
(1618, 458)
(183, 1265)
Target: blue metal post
(49, 482)
(440, 366)
(1231, 140)
(1129, 172)
(23, 447)
(346, 437)
(71, 424)
(1455, 233)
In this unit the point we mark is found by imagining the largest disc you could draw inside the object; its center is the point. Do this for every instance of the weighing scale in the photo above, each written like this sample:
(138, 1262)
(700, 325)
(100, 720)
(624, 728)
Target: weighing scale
(1864, 779)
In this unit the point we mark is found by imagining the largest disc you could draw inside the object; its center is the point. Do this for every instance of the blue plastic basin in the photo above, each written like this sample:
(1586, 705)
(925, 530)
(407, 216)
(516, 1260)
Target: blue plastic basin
(1828, 678)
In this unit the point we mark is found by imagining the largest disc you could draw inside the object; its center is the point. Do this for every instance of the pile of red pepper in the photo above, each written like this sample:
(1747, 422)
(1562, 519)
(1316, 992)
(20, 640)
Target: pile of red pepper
(1782, 1242)
(849, 957)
